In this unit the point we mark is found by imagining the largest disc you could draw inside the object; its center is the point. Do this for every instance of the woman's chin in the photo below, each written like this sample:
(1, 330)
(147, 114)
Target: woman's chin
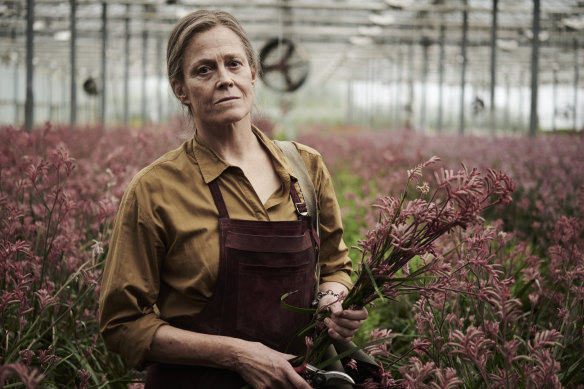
(232, 118)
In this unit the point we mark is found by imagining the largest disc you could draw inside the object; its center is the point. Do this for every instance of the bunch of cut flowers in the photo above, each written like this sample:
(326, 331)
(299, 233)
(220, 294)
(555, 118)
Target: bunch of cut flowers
(408, 229)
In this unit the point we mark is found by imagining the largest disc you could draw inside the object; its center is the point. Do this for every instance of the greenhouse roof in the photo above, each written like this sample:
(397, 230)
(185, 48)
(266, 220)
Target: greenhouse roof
(346, 39)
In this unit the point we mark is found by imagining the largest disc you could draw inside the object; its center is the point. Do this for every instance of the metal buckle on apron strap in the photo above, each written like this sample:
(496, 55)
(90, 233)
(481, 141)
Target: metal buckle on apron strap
(301, 209)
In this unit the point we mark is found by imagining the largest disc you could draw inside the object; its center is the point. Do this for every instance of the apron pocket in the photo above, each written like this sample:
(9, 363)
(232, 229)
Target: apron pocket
(260, 316)
(268, 243)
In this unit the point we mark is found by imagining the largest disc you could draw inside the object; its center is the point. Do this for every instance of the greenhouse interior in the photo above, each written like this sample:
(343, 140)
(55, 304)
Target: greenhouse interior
(349, 194)
(467, 66)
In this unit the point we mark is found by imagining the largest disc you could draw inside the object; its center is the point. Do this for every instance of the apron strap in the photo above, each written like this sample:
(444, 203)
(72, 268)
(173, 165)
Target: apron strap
(300, 205)
(220, 203)
(218, 198)
(306, 186)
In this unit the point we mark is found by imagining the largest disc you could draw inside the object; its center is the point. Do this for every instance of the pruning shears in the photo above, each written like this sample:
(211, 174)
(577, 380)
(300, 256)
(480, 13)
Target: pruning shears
(318, 378)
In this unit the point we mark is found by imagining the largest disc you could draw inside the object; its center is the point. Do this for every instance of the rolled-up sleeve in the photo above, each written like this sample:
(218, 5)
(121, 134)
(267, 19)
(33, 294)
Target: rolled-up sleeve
(335, 264)
(131, 283)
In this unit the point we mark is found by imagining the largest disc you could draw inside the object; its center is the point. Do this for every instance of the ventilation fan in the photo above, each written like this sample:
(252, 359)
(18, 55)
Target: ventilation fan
(284, 65)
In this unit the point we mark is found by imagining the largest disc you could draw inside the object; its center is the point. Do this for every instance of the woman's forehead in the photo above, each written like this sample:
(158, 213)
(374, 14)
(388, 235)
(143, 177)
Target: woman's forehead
(217, 40)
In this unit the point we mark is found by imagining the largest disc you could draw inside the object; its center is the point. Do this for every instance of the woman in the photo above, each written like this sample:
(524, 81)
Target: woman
(208, 237)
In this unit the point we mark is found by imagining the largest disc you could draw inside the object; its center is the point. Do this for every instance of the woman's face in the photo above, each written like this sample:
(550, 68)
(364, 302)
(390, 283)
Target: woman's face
(218, 81)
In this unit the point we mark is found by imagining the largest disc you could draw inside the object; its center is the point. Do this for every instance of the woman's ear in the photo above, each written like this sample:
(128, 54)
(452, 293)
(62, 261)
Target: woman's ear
(253, 76)
(179, 91)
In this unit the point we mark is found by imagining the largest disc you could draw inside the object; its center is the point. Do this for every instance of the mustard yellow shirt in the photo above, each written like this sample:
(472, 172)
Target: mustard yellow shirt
(163, 258)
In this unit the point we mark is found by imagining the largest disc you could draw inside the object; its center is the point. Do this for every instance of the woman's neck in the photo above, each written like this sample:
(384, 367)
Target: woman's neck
(232, 142)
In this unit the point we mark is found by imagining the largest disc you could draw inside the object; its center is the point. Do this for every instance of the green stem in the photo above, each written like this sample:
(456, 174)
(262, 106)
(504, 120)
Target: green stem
(33, 326)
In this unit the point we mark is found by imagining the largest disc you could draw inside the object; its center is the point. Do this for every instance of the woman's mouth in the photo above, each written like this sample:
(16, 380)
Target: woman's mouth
(226, 99)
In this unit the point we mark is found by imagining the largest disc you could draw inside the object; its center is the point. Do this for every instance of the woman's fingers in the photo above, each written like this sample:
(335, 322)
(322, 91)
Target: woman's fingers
(346, 330)
(349, 318)
(349, 314)
(340, 337)
(265, 368)
(343, 327)
(343, 324)
(295, 380)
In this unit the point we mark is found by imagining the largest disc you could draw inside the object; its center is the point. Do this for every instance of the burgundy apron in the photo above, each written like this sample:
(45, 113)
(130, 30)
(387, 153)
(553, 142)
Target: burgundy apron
(259, 262)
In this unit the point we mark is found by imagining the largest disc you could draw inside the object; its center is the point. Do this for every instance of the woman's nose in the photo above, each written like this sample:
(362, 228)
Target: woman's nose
(224, 77)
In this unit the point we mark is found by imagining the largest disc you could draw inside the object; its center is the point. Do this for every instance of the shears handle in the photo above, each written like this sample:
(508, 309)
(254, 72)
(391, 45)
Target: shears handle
(313, 376)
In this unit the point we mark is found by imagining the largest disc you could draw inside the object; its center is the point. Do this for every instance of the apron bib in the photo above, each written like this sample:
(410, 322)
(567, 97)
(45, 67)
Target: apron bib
(259, 262)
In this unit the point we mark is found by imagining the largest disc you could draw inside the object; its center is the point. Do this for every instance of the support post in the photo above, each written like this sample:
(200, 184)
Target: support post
(555, 97)
(507, 101)
(160, 76)
(533, 120)
(521, 99)
(441, 78)
(29, 103)
(144, 75)
(16, 89)
(492, 115)
(463, 73)
(410, 105)
(350, 108)
(127, 66)
(398, 101)
(73, 54)
(50, 74)
(103, 64)
(576, 81)
(424, 115)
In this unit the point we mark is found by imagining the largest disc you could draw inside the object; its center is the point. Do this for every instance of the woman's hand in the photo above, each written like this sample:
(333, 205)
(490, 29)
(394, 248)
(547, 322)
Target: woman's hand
(264, 368)
(342, 324)
(260, 366)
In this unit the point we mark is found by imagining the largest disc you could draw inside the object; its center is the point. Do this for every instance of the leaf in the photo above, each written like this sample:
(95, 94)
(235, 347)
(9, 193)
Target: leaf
(573, 370)
(293, 308)
(306, 329)
(368, 269)
(524, 289)
(350, 351)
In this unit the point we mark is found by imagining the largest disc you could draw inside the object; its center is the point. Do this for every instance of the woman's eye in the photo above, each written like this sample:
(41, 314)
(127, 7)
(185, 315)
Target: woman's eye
(203, 70)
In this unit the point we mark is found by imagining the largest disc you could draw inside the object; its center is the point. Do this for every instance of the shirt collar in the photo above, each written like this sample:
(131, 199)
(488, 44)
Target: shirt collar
(212, 166)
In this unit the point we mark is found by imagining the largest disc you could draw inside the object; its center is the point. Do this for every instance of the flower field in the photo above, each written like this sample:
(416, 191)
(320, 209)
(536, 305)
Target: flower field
(501, 303)
(501, 306)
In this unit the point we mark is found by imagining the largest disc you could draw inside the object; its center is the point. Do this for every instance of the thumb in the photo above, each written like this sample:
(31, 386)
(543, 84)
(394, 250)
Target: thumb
(336, 309)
